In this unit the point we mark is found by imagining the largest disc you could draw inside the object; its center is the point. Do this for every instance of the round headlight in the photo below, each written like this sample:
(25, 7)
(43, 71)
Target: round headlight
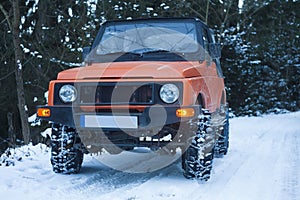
(169, 93)
(68, 93)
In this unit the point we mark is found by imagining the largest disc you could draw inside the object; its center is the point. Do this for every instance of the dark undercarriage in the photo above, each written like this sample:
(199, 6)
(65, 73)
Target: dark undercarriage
(170, 136)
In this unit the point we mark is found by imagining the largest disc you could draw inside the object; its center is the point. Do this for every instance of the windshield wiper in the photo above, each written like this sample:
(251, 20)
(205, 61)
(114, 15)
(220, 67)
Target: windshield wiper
(120, 53)
(155, 51)
(118, 56)
(138, 52)
(166, 52)
(141, 52)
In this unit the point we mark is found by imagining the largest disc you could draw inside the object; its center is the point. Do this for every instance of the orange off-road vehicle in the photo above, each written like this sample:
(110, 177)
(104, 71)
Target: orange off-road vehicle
(154, 83)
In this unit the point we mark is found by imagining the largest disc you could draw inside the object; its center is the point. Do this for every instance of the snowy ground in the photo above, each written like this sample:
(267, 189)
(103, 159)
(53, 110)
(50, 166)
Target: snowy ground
(263, 163)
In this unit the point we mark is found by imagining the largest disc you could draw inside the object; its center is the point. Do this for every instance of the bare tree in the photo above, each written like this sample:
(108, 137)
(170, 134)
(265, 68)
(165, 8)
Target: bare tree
(14, 25)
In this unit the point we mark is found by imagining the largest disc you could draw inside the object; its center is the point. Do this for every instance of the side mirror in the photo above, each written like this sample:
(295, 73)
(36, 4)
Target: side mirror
(214, 50)
(85, 52)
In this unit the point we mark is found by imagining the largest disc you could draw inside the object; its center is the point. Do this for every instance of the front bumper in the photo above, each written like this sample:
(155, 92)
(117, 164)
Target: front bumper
(151, 117)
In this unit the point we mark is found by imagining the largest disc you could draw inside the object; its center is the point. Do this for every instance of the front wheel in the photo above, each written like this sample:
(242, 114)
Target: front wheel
(197, 159)
(66, 153)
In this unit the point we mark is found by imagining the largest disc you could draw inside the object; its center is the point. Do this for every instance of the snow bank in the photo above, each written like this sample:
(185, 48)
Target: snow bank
(19, 155)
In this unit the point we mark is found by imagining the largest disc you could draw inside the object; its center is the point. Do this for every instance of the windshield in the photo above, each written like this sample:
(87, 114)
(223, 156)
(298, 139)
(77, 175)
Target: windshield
(150, 37)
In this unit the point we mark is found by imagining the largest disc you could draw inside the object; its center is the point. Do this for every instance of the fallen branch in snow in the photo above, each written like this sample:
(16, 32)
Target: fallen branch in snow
(9, 157)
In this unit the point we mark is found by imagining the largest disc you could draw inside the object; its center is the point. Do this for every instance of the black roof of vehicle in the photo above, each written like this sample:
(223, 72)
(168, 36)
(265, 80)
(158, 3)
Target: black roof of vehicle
(139, 20)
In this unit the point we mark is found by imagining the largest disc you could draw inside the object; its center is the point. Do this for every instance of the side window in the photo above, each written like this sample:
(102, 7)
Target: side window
(216, 60)
(205, 38)
(206, 41)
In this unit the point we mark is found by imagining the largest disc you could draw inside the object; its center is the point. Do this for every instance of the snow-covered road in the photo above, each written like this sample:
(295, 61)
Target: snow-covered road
(263, 163)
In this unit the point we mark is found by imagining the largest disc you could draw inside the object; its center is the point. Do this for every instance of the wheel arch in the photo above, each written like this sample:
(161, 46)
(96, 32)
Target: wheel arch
(223, 100)
(200, 100)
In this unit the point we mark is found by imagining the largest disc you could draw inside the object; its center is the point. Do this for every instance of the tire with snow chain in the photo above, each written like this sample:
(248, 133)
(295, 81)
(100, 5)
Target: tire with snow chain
(222, 143)
(197, 159)
(66, 152)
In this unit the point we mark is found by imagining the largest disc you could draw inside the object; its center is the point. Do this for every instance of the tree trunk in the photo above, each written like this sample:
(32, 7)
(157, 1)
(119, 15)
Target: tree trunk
(207, 10)
(18, 72)
(11, 130)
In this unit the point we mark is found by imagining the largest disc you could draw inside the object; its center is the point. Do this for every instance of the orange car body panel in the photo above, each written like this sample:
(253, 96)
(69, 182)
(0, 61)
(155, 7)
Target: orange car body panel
(197, 78)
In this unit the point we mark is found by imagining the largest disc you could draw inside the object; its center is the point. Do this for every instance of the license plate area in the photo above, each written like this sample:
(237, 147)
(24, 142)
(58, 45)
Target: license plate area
(99, 121)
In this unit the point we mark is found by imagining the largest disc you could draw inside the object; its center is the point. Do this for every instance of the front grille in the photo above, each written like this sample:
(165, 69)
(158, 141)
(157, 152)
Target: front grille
(116, 93)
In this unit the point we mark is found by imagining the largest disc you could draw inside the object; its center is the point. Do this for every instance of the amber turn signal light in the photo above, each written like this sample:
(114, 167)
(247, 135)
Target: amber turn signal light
(185, 112)
(43, 112)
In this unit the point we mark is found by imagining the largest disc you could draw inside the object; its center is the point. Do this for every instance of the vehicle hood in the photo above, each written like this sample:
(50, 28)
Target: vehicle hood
(116, 70)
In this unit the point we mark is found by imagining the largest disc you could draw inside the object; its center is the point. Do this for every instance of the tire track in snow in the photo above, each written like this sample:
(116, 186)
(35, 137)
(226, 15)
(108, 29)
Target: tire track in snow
(104, 180)
(291, 182)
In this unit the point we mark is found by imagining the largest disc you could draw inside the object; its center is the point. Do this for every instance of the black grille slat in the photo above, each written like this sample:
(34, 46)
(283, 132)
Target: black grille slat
(116, 93)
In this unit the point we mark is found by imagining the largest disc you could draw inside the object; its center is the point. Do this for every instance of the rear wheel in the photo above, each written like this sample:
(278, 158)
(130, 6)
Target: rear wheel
(222, 143)
(66, 152)
(197, 159)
